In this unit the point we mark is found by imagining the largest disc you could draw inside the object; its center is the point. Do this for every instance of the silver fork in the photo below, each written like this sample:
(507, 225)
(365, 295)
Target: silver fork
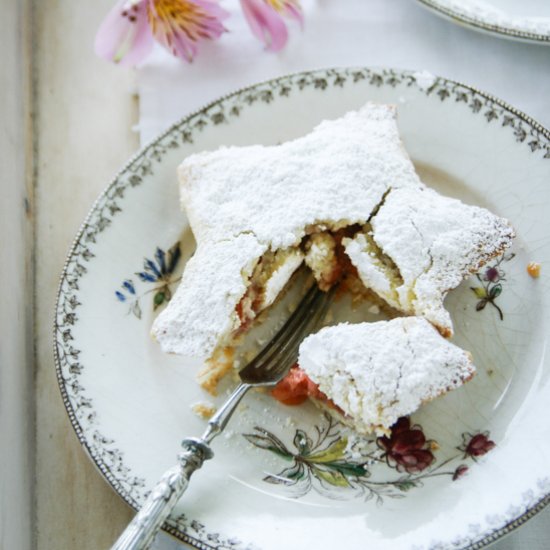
(266, 369)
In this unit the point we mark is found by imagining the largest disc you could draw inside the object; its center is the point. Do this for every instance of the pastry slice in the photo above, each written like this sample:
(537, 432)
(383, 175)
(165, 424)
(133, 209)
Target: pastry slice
(374, 373)
(419, 245)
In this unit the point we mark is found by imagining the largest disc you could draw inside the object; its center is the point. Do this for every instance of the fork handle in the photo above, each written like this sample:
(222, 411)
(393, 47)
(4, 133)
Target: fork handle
(142, 530)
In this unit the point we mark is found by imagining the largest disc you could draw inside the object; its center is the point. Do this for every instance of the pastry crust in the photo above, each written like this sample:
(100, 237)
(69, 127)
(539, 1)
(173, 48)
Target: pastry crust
(377, 372)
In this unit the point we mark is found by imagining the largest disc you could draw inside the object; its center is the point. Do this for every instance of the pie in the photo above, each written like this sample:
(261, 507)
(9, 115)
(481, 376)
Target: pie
(343, 200)
(375, 373)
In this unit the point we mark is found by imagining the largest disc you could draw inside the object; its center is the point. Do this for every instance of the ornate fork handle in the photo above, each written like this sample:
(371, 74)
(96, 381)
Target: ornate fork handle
(141, 532)
(266, 368)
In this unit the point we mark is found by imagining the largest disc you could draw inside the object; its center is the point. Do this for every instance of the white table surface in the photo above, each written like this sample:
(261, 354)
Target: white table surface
(391, 33)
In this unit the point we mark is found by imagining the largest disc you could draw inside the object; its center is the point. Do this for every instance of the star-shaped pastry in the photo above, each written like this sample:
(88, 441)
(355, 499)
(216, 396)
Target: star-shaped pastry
(346, 192)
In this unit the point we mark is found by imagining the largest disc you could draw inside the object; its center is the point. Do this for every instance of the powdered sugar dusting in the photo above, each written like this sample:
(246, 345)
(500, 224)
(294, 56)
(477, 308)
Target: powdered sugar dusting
(202, 310)
(242, 201)
(434, 241)
(340, 171)
(378, 372)
(280, 277)
(371, 270)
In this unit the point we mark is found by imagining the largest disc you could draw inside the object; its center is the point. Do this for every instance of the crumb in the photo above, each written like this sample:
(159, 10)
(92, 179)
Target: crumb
(203, 409)
(215, 369)
(434, 445)
(374, 309)
(490, 372)
(533, 268)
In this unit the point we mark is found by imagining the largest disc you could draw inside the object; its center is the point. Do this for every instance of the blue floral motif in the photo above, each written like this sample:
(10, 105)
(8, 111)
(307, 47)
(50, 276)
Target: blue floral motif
(160, 271)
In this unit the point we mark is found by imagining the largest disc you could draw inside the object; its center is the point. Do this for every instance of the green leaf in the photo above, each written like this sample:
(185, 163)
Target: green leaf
(479, 291)
(348, 468)
(334, 478)
(405, 485)
(495, 291)
(302, 442)
(295, 472)
(158, 299)
(269, 443)
(481, 304)
(332, 454)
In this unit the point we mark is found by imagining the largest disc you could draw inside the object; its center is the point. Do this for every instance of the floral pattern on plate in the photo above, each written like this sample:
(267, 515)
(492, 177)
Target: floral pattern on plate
(333, 460)
(491, 278)
(160, 272)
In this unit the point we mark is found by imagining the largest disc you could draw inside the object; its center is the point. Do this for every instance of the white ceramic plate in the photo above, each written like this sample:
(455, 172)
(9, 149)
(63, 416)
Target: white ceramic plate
(285, 477)
(525, 20)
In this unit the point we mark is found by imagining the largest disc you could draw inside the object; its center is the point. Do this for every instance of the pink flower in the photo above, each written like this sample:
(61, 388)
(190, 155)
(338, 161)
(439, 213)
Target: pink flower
(126, 35)
(180, 24)
(265, 18)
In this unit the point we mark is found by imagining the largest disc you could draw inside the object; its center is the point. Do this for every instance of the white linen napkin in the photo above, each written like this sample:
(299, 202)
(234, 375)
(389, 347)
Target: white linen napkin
(392, 33)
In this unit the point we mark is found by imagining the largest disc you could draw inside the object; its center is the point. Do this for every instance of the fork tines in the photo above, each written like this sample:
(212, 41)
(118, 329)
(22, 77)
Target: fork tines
(272, 363)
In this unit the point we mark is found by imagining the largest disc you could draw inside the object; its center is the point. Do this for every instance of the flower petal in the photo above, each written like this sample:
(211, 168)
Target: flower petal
(179, 25)
(479, 445)
(289, 8)
(266, 23)
(124, 36)
(295, 12)
(403, 424)
(411, 439)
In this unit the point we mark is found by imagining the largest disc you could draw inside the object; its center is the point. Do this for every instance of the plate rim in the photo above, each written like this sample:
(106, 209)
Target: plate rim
(482, 26)
(97, 461)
